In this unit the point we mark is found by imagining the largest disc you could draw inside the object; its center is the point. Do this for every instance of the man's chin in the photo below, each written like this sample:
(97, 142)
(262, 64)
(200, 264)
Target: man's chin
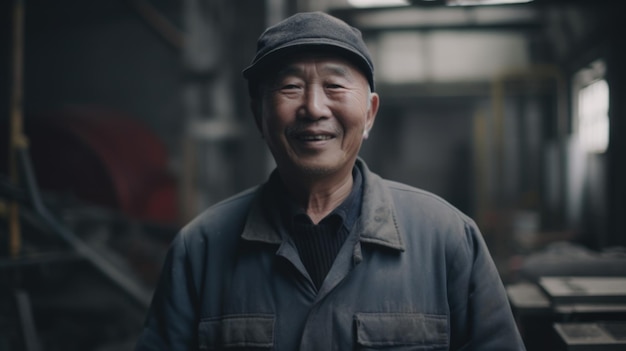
(317, 171)
(315, 168)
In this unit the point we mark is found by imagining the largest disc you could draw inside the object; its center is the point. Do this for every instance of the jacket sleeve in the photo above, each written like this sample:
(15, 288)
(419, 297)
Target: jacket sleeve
(481, 316)
(172, 320)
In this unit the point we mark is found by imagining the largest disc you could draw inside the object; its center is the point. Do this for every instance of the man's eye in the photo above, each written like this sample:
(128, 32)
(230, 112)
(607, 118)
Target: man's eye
(334, 86)
(290, 87)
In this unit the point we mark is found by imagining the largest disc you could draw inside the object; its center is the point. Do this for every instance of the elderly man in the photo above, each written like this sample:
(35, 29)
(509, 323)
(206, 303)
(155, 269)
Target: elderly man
(326, 255)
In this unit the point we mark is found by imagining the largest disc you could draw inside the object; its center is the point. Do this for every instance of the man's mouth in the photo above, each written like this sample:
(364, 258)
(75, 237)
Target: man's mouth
(314, 137)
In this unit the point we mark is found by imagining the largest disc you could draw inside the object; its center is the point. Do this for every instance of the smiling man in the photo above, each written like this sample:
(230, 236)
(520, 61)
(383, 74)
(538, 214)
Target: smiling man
(326, 255)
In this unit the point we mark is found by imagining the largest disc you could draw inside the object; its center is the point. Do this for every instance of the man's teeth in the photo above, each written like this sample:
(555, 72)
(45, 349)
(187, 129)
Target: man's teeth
(314, 137)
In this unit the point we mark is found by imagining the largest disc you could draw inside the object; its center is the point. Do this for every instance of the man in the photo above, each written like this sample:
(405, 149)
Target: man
(326, 255)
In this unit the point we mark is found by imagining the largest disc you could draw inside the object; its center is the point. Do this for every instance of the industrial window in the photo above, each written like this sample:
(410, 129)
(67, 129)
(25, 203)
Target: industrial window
(590, 109)
(593, 116)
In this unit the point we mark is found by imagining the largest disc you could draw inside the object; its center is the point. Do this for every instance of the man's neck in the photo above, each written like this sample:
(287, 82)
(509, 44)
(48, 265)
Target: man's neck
(320, 197)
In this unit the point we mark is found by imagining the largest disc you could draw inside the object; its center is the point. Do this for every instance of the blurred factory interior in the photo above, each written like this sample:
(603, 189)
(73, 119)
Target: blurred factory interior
(123, 119)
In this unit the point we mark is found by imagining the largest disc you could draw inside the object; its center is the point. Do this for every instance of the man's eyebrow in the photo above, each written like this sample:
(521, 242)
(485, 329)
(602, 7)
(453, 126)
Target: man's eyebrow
(334, 69)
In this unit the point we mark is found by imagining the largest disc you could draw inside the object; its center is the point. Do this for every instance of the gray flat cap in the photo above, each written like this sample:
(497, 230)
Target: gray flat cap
(315, 31)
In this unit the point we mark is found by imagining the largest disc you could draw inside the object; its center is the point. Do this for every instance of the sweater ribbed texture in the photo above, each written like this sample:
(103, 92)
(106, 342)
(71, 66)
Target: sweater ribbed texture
(319, 244)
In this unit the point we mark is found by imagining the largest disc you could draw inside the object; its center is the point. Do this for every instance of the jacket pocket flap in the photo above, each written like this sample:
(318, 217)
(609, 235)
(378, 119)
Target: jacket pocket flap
(396, 329)
(237, 331)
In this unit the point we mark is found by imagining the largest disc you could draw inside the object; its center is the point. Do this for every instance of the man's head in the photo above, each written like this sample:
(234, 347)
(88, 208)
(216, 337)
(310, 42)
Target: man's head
(311, 86)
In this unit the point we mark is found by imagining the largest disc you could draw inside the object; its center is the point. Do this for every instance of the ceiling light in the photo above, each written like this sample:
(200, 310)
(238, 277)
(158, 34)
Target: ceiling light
(483, 2)
(378, 3)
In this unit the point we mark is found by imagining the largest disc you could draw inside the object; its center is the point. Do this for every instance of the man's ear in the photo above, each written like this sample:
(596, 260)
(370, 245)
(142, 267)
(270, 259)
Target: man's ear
(371, 113)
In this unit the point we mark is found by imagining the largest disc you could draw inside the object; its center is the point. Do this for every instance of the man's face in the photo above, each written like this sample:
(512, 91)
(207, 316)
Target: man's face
(314, 114)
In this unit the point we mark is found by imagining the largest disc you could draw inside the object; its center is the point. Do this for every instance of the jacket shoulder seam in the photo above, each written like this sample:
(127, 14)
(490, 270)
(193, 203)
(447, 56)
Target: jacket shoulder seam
(421, 192)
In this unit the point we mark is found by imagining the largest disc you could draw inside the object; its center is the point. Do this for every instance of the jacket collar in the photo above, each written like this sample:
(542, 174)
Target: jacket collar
(377, 224)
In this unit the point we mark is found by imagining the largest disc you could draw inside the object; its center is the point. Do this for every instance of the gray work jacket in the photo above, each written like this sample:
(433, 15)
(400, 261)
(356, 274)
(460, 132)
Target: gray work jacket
(414, 274)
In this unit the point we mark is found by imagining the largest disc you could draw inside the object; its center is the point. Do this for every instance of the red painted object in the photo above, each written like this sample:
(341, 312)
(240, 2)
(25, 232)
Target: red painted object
(105, 157)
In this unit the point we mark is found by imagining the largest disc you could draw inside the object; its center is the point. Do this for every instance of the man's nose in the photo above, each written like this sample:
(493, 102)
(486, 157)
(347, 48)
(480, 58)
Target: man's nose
(315, 103)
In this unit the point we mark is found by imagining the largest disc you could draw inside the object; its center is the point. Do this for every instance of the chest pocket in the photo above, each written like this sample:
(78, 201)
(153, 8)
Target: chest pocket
(234, 332)
(401, 331)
